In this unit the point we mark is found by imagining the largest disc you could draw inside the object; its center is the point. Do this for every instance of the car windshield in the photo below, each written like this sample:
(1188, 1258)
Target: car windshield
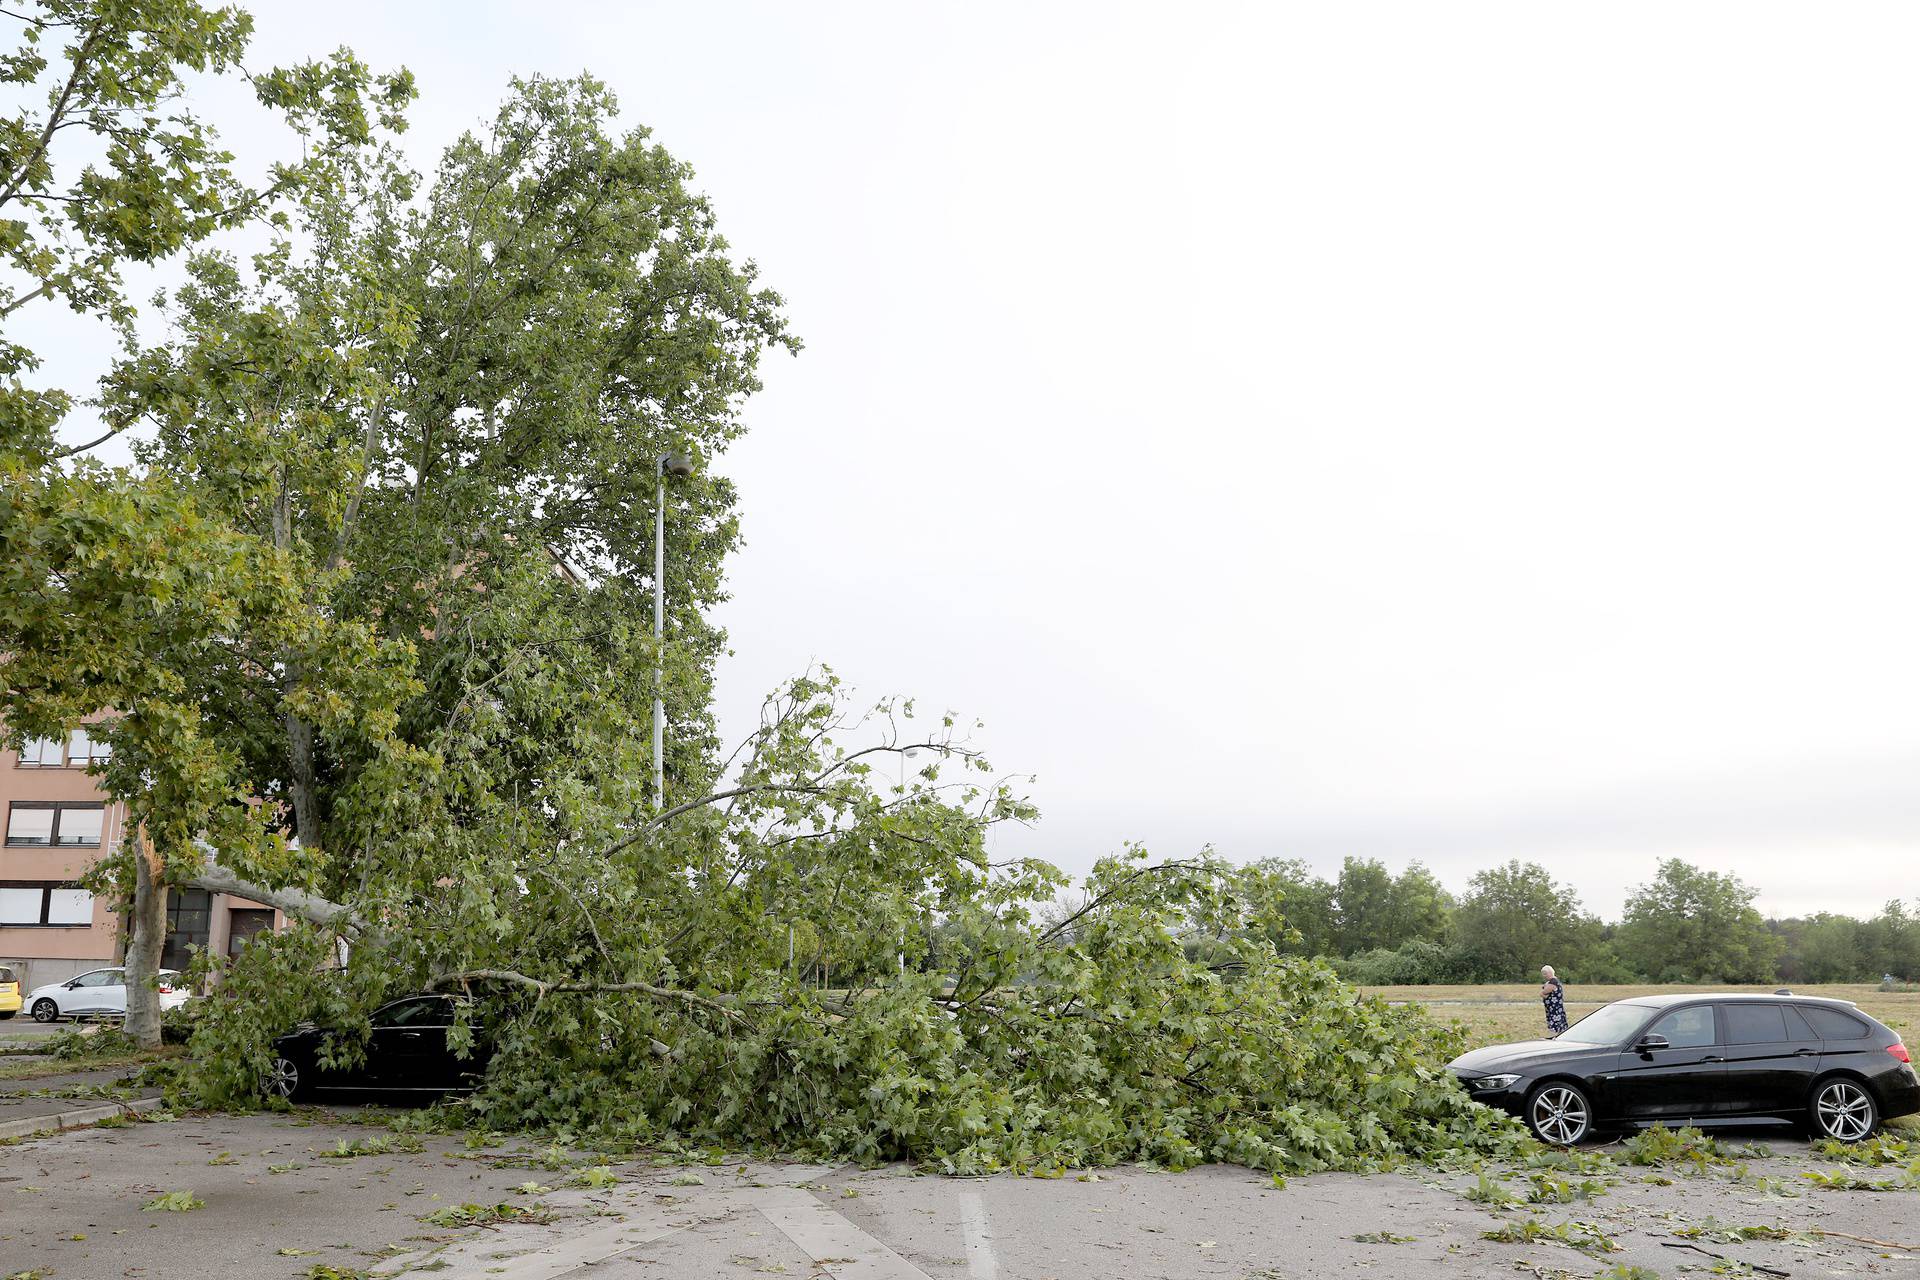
(1610, 1025)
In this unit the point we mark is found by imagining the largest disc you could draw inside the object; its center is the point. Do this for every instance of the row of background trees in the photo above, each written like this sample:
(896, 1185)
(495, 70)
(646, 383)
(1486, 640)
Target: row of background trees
(1685, 925)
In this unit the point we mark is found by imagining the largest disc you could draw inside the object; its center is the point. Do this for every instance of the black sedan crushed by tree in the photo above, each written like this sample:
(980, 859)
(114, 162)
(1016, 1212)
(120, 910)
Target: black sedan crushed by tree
(1702, 1060)
(410, 1048)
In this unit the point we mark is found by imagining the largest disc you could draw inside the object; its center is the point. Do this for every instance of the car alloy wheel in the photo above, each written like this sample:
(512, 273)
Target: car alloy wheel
(1559, 1114)
(1842, 1110)
(282, 1079)
(45, 1010)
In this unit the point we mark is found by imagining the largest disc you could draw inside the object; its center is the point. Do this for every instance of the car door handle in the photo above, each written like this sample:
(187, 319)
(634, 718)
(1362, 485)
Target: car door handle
(1806, 1053)
(1713, 1057)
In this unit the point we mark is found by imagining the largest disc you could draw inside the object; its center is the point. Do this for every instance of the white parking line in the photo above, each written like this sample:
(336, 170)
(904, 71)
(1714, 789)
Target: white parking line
(981, 1263)
(836, 1246)
(530, 1252)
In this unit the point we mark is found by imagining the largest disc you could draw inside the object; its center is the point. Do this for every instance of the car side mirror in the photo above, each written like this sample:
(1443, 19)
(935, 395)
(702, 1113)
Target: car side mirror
(73, 986)
(1649, 1043)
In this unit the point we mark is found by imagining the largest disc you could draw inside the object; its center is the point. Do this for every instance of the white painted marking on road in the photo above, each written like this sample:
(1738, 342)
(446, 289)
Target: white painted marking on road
(836, 1246)
(981, 1263)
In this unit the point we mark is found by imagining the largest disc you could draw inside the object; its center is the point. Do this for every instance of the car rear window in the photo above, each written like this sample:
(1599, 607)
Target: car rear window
(1797, 1025)
(1833, 1024)
(6, 974)
(1754, 1023)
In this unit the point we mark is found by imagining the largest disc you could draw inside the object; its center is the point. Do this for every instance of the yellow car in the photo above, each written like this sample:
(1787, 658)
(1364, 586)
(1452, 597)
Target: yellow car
(9, 992)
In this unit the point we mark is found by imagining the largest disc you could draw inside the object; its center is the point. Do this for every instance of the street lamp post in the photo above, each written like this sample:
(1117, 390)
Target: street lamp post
(676, 464)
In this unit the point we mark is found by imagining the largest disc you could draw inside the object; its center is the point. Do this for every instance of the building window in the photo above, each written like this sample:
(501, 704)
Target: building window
(189, 916)
(84, 749)
(33, 822)
(41, 753)
(244, 924)
(58, 905)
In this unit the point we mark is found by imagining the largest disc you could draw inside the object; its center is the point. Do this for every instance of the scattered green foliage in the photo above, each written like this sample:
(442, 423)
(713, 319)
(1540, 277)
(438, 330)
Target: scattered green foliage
(1711, 1228)
(481, 1215)
(94, 1042)
(380, 1146)
(1686, 1148)
(1383, 1237)
(1546, 1188)
(1488, 1190)
(1584, 1236)
(597, 1178)
(174, 1202)
(1841, 1180)
(1882, 1148)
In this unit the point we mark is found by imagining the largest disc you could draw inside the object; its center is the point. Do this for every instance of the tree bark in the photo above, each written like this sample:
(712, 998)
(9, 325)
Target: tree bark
(146, 939)
(306, 811)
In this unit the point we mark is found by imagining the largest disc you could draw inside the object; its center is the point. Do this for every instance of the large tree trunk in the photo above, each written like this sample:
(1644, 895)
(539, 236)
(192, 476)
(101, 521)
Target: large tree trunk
(146, 938)
(306, 811)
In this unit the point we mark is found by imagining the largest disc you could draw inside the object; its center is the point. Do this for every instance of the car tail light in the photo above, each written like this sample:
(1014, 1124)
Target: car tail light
(1899, 1051)
(166, 988)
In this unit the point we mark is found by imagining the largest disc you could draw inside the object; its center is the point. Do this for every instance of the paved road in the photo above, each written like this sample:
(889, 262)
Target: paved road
(21, 1031)
(26, 1104)
(71, 1206)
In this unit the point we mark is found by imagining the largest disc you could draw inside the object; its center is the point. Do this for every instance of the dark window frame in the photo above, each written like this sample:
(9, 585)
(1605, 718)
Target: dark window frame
(178, 940)
(46, 888)
(58, 807)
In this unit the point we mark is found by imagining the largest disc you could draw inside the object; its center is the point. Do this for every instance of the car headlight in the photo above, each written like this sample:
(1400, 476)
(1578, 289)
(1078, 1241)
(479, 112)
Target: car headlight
(1487, 1084)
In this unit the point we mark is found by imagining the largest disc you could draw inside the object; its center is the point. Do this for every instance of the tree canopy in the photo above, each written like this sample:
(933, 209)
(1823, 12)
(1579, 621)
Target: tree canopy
(1693, 925)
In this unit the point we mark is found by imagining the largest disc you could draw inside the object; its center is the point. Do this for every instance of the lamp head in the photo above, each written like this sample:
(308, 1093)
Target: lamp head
(677, 464)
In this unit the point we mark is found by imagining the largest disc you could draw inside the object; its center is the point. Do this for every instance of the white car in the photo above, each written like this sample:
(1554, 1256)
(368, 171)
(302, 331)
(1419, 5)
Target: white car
(100, 994)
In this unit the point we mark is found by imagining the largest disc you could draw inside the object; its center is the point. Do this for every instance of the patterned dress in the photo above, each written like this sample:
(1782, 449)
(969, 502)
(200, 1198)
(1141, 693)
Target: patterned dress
(1554, 996)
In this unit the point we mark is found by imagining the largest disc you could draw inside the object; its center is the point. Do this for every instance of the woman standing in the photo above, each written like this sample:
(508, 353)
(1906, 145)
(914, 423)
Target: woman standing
(1553, 995)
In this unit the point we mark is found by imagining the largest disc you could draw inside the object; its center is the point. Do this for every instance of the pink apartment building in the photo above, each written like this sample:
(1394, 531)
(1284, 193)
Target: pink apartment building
(57, 824)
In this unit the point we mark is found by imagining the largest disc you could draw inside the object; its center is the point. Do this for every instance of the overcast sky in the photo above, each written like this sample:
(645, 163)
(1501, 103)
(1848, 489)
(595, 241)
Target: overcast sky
(1443, 432)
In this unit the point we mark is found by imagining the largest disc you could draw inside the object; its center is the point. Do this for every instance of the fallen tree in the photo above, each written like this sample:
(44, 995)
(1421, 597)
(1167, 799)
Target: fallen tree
(640, 988)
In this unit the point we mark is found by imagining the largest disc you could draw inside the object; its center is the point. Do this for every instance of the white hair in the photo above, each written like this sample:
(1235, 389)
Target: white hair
(1547, 969)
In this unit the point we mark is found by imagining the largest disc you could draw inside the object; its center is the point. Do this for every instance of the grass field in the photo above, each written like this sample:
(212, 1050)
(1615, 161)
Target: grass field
(1497, 1013)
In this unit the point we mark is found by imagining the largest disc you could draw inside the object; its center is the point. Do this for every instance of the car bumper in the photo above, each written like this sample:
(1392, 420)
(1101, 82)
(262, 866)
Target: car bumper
(1899, 1094)
(1512, 1099)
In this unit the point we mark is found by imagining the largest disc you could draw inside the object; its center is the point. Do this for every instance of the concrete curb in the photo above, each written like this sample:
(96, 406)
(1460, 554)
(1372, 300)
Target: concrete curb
(31, 1125)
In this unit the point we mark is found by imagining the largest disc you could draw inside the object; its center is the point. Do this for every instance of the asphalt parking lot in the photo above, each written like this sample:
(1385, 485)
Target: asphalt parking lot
(284, 1195)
